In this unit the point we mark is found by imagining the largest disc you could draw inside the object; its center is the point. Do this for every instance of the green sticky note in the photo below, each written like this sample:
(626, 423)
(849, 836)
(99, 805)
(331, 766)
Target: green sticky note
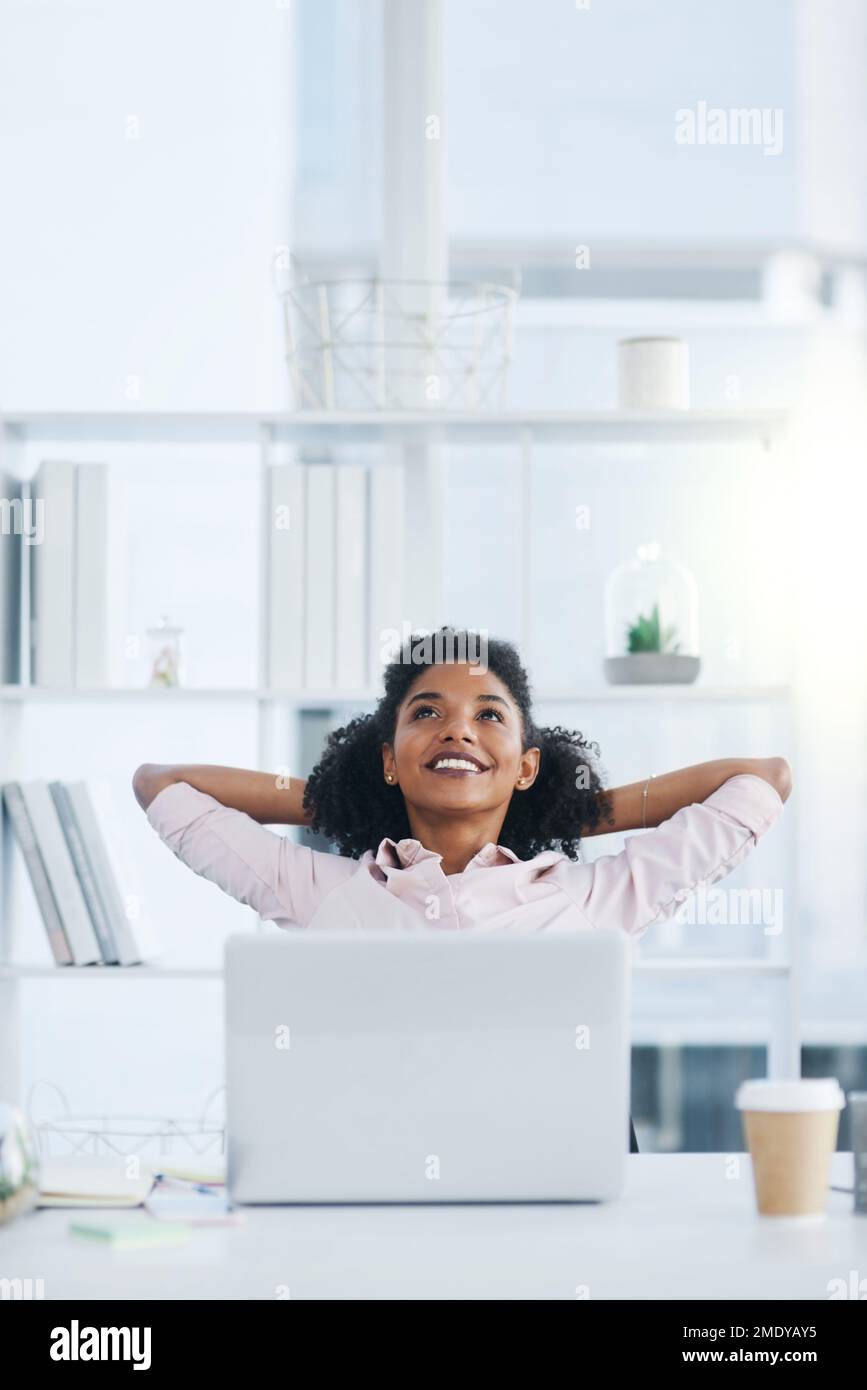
(127, 1234)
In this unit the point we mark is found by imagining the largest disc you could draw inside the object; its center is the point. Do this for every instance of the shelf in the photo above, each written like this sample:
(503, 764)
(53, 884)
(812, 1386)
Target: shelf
(307, 699)
(107, 972)
(644, 1031)
(39, 694)
(681, 968)
(42, 694)
(700, 1032)
(335, 699)
(676, 967)
(551, 427)
(738, 1032)
(622, 694)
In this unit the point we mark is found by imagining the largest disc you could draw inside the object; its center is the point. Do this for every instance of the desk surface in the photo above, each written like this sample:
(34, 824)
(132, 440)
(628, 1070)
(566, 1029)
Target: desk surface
(686, 1227)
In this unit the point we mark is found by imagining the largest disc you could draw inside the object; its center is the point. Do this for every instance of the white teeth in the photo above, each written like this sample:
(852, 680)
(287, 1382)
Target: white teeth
(460, 763)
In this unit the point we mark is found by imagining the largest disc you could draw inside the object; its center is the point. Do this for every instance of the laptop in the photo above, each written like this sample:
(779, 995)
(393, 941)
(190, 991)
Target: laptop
(375, 1066)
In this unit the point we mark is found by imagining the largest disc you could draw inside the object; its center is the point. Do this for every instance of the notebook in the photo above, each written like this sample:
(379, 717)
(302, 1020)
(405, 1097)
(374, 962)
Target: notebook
(76, 1182)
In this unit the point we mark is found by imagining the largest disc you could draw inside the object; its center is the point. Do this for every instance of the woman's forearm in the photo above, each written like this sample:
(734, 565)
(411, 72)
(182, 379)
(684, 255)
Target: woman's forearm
(669, 791)
(266, 797)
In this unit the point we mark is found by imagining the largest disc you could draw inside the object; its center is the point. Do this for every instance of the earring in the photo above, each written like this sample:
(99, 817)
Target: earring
(388, 777)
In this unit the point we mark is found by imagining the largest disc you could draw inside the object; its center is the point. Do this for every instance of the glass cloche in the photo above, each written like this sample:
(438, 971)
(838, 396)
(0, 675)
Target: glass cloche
(651, 621)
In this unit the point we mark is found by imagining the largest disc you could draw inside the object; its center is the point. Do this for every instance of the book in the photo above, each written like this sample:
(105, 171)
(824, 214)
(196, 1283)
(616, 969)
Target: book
(319, 672)
(96, 586)
(52, 617)
(81, 1181)
(131, 940)
(77, 600)
(286, 573)
(66, 889)
(92, 580)
(13, 519)
(79, 850)
(21, 824)
(350, 619)
(385, 549)
(204, 1172)
(197, 1208)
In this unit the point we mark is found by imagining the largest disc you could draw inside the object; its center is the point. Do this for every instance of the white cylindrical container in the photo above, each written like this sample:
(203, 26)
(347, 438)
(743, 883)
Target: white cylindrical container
(653, 373)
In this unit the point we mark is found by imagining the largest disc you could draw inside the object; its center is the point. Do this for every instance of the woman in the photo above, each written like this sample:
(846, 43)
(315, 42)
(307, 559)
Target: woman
(451, 808)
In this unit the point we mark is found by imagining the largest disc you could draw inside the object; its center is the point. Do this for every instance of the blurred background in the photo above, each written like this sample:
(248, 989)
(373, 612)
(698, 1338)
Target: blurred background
(183, 181)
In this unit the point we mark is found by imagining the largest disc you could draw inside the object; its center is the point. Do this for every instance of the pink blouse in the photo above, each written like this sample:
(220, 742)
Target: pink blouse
(403, 885)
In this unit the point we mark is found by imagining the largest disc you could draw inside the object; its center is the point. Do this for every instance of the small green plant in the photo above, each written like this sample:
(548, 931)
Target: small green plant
(645, 635)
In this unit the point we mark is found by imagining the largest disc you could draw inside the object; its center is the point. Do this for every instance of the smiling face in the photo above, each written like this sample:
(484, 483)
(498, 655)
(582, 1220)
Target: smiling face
(459, 743)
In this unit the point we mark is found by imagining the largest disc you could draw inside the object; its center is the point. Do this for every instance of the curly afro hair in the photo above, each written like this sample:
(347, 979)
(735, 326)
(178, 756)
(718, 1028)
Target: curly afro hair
(350, 802)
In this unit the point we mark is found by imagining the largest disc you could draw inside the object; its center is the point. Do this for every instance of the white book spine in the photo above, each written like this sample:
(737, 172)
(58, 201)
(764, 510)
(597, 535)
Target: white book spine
(53, 562)
(386, 580)
(351, 603)
(61, 873)
(286, 576)
(29, 846)
(130, 950)
(319, 666)
(25, 651)
(12, 523)
(92, 581)
(124, 862)
(84, 869)
(119, 570)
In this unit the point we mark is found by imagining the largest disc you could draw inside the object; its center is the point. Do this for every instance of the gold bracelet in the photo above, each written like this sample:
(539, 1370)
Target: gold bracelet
(644, 802)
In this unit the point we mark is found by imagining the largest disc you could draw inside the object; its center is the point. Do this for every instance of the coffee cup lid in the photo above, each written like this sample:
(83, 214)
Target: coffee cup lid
(823, 1093)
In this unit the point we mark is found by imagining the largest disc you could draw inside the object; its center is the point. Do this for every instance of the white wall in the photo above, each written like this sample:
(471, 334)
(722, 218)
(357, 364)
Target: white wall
(562, 119)
(146, 159)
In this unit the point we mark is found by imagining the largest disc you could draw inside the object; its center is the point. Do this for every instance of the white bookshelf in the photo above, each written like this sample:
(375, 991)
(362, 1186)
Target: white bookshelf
(674, 968)
(433, 426)
(105, 972)
(335, 699)
(410, 433)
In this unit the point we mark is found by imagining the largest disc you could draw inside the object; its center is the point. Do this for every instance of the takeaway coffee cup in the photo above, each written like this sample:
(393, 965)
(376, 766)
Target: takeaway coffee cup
(790, 1129)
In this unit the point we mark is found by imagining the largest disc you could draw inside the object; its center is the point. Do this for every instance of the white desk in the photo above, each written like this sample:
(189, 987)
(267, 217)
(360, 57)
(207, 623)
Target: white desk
(683, 1229)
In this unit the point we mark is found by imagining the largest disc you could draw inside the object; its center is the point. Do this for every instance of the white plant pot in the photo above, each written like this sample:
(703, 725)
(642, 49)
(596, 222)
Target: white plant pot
(652, 668)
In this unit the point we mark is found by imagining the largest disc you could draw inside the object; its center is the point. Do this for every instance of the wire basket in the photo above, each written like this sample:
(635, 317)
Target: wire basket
(148, 1136)
(356, 345)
